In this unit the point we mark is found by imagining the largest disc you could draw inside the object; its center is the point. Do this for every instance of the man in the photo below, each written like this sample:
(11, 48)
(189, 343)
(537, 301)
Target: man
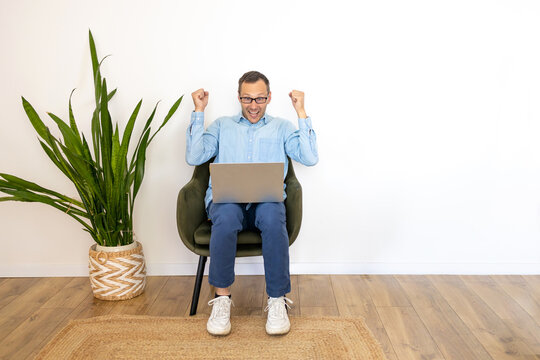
(251, 136)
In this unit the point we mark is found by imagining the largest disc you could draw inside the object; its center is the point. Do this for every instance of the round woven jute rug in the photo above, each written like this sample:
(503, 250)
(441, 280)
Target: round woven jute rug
(146, 337)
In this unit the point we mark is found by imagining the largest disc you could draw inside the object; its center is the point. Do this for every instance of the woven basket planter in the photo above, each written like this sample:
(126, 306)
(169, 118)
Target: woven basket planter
(117, 273)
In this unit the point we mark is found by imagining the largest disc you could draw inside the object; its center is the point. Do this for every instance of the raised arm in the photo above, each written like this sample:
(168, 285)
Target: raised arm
(301, 145)
(201, 145)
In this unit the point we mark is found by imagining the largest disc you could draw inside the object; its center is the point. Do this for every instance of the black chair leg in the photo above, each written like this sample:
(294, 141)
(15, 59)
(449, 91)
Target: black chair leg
(198, 282)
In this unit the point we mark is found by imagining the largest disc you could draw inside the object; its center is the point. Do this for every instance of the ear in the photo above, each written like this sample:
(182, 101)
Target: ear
(269, 97)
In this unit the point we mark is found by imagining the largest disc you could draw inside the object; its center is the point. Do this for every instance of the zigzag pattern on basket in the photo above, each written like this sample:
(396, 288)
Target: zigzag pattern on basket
(120, 277)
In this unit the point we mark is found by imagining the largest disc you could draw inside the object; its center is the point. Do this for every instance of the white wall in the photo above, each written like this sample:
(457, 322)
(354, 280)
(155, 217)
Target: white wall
(427, 115)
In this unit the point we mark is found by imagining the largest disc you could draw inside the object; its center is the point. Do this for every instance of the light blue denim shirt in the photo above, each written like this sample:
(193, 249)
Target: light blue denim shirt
(233, 139)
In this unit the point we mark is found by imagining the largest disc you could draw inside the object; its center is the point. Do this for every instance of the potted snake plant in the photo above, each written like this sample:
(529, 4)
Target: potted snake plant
(107, 177)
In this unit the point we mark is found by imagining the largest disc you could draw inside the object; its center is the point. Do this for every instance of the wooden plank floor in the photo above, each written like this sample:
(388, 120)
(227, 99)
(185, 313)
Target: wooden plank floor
(412, 316)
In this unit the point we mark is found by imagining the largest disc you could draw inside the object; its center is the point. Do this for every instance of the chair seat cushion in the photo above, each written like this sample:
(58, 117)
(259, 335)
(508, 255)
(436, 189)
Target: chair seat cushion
(202, 235)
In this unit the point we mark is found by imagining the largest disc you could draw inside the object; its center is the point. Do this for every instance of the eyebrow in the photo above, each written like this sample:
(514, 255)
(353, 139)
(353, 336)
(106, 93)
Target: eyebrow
(251, 96)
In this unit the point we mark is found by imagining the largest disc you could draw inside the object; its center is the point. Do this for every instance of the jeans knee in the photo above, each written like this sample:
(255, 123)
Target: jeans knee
(228, 215)
(270, 216)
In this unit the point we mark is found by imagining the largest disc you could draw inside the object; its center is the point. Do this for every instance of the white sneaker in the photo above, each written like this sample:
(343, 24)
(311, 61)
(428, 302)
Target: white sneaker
(219, 322)
(277, 322)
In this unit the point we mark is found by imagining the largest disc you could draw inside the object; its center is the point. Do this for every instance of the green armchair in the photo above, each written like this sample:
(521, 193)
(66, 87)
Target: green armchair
(194, 227)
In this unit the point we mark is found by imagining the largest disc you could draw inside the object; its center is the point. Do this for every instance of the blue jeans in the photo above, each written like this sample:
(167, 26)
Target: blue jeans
(228, 220)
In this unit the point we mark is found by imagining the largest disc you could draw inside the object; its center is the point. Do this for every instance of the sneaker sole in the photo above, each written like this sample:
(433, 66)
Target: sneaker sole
(278, 331)
(219, 332)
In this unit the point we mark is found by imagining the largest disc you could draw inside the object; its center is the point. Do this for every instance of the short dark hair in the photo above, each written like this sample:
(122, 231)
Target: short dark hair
(251, 77)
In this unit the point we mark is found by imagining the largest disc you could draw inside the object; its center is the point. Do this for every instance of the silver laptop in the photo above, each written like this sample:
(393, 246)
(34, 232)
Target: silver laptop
(247, 182)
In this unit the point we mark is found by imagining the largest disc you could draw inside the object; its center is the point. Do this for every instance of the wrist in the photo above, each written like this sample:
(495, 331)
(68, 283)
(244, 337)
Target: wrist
(301, 114)
(199, 109)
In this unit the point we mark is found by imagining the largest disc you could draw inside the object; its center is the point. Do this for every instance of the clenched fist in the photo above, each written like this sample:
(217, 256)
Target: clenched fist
(200, 99)
(297, 98)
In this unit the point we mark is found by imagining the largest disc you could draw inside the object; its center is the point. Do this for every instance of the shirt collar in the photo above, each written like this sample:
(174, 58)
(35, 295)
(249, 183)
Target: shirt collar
(265, 119)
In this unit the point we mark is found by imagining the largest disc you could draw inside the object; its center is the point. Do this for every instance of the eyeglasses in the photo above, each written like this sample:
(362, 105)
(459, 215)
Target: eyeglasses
(248, 100)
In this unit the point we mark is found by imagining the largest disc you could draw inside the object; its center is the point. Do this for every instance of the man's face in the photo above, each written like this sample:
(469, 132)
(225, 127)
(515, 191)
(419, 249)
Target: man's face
(253, 111)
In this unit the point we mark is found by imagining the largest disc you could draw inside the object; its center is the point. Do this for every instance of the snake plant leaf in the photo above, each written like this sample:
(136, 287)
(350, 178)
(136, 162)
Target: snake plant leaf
(95, 128)
(28, 196)
(106, 126)
(72, 122)
(129, 126)
(146, 127)
(106, 123)
(93, 53)
(66, 168)
(149, 122)
(64, 164)
(95, 67)
(171, 112)
(70, 138)
(94, 166)
(129, 182)
(79, 166)
(101, 227)
(53, 157)
(98, 79)
(24, 184)
(141, 159)
(122, 186)
(73, 170)
(151, 118)
(130, 202)
(38, 125)
(115, 150)
(127, 138)
(86, 151)
(106, 143)
(111, 94)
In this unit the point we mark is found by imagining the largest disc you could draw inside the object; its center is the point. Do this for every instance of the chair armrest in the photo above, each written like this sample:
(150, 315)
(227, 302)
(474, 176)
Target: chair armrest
(293, 207)
(190, 211)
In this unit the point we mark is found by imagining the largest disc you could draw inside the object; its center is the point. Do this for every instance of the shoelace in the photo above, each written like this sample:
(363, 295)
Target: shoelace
(221, 308)
(276, 306)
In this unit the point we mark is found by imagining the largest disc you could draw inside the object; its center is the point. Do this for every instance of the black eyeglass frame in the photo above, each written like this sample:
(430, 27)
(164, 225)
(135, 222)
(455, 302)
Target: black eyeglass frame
(253, 99)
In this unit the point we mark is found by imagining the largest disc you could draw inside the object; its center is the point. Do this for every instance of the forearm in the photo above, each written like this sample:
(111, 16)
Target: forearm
(200, 145)
(302, 144)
